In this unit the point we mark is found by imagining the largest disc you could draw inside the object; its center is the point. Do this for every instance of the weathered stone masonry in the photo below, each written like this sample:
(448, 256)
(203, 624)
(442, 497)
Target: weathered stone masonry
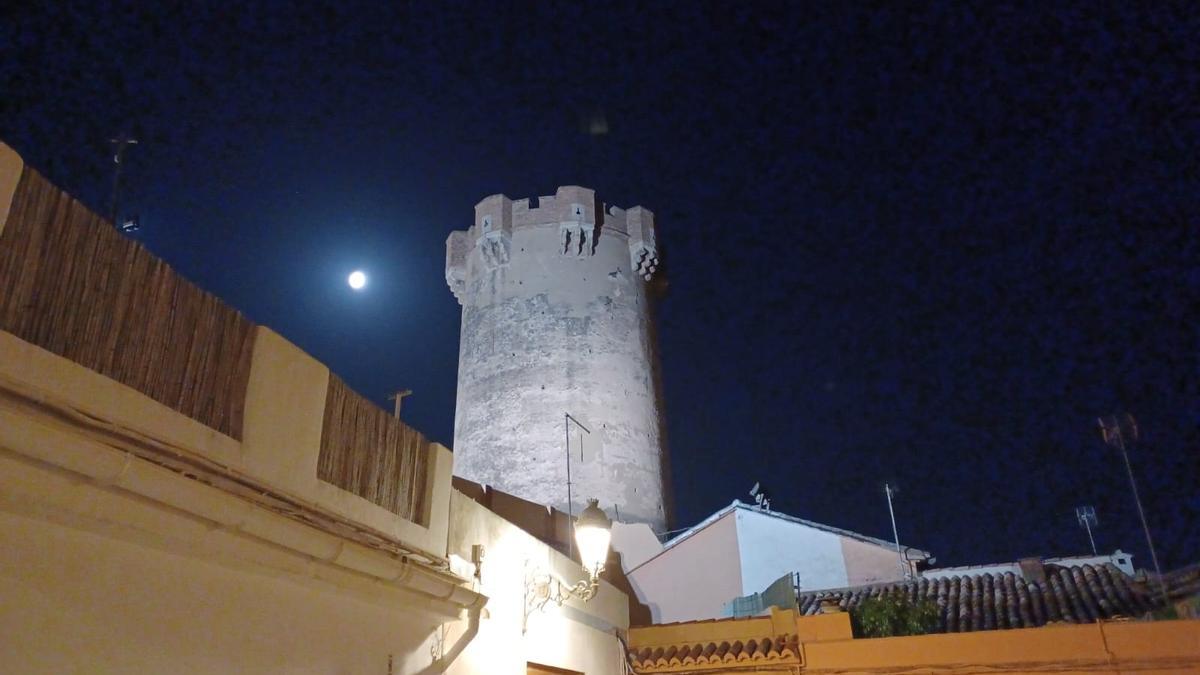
(555, 320)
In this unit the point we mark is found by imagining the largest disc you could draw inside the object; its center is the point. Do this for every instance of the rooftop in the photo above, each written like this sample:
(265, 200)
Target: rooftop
(912, 553)
(967, 603)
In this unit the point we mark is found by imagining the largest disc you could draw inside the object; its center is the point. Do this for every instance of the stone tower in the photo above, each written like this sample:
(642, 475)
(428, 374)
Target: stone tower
(555, 320)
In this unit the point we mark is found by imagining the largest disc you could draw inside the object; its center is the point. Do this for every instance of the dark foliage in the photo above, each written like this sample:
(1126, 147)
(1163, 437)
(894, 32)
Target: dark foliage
(893, 615)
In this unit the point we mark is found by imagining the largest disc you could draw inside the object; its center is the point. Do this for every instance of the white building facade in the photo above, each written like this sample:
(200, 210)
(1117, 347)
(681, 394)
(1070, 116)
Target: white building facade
(742, 549)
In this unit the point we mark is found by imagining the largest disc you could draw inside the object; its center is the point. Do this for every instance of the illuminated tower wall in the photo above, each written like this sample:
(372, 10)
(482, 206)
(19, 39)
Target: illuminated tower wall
(555, 320)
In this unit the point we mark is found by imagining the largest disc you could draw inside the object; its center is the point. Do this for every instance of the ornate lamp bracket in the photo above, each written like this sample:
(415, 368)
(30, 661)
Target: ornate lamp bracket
(543, 588)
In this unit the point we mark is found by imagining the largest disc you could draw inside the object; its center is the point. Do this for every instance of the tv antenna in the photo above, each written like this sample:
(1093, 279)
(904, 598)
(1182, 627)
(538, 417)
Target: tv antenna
(1086, 515)
(1117, 430)
(399, 397)
(120, 144)
(760, 497)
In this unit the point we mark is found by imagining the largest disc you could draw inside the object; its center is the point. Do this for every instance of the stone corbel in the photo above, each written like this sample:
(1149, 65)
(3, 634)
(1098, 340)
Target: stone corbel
(576, 235)
(494, 248)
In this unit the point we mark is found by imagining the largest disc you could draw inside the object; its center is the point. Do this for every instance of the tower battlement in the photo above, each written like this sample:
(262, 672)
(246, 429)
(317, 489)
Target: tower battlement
(556, 321)
(579, 217)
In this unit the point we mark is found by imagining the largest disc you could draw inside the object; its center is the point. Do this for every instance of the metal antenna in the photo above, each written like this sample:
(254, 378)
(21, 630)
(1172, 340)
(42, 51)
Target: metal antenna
(399, 397)
(1114, 429)
(120, 144)
(1086, 515)
(889, 490)
(760, 497)
(567, 419)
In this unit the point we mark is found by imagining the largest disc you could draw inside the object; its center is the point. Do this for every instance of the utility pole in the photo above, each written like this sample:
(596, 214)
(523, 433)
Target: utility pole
(889, 490)
(1086, 515)
(1114, 429)
(398, 397)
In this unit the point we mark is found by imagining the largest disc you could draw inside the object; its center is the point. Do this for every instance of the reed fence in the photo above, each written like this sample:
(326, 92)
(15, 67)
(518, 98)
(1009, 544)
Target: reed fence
(71, 284)
(370, 453)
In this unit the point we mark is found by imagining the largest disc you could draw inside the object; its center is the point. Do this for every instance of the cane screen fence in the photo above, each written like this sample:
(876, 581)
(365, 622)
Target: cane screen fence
(73, 285)
(370, 453)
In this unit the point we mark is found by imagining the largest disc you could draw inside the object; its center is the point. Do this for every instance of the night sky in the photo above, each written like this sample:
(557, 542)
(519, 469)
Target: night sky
(925, 244)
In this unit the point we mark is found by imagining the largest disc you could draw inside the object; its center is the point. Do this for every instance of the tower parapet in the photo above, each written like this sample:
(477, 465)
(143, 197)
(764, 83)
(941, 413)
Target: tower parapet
(555, 321)
(643, 248)
(580, 218)
(457, 247)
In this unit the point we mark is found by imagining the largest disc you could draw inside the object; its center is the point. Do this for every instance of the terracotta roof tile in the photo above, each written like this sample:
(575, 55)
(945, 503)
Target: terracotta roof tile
(781, 650)
(966, 603)
(997, 601)
(1183, 582)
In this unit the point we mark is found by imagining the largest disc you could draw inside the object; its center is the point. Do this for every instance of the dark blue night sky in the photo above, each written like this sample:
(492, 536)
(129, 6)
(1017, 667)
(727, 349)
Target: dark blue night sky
(921, 243)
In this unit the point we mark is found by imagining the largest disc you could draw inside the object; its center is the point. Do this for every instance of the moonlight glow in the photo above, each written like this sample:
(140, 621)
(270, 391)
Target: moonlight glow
(357, 280)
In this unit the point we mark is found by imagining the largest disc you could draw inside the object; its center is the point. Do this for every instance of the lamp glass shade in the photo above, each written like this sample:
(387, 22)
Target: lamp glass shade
(593, 533)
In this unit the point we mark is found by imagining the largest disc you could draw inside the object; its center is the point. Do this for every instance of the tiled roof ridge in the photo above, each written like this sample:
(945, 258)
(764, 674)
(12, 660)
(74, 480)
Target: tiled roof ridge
(780, 649)
(1064, 558)
(709, 620)
(1182, 582)
(1081, 594)
(1059, 560)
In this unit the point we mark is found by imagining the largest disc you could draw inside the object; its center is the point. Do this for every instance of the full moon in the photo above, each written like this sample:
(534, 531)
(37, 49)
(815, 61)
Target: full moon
(357, 280)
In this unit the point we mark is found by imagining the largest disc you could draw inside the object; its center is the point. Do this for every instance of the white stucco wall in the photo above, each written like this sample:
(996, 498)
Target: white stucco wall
(868, 563)
(635, 543)
(693, 578)
(578, 636)
(77, 602)
(771, 547)
(114, 564)
(742, 550)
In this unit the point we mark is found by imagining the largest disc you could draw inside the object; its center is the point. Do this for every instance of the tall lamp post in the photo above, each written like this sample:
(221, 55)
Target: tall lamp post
(1114, 429)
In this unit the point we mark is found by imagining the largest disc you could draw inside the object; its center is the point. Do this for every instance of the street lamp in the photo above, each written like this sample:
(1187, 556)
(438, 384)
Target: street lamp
(593, 534)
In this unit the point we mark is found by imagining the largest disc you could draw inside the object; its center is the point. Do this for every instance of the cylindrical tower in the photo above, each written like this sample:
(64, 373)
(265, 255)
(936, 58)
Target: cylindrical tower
(555, 321)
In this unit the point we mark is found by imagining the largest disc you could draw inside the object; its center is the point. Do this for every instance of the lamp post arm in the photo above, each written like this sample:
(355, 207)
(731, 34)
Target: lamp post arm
(584, 589)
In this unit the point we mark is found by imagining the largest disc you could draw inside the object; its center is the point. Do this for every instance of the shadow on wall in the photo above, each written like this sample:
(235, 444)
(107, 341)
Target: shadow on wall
(657, 293)
(553, 528)
(444, 661)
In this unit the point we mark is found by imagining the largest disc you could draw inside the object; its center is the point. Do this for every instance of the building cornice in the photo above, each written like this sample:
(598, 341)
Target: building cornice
(102, 472)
